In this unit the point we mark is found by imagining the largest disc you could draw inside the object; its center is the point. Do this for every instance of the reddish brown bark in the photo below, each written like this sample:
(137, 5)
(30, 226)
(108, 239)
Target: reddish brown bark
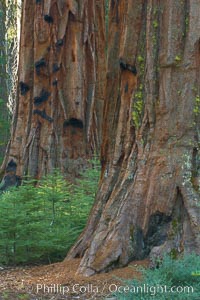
(59, 108)
(148, 200)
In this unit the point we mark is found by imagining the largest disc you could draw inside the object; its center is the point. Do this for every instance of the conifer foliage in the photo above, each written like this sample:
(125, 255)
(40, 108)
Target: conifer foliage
(40, 224)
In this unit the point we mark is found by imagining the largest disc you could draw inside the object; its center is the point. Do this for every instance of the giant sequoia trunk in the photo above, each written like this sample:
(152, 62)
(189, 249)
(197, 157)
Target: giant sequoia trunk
(148, 199)
(56, 122)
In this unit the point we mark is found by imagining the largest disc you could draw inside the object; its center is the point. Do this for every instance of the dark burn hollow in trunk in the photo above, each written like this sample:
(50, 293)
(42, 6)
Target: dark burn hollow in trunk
(73, 122)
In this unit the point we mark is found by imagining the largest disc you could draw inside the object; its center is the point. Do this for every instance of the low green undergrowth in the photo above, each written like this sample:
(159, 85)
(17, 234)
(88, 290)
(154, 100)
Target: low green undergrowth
(40, 224)
(177, 279)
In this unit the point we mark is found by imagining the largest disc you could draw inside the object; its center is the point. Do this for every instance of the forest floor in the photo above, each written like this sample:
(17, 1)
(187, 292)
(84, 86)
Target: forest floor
(60, 281)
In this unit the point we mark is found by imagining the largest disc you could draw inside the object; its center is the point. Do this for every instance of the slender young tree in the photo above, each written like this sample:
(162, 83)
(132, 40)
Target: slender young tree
(13, 12)
(4, 130)
(59, 107)
(148, 200)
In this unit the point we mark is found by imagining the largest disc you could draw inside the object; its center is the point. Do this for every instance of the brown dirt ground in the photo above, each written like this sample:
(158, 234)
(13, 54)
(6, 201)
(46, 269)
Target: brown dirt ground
(22, 283)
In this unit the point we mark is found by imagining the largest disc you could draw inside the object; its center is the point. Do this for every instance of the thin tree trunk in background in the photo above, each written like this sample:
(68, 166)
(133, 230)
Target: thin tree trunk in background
(148, 200)
(59, 105)
(13, 17)
(4, 130)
